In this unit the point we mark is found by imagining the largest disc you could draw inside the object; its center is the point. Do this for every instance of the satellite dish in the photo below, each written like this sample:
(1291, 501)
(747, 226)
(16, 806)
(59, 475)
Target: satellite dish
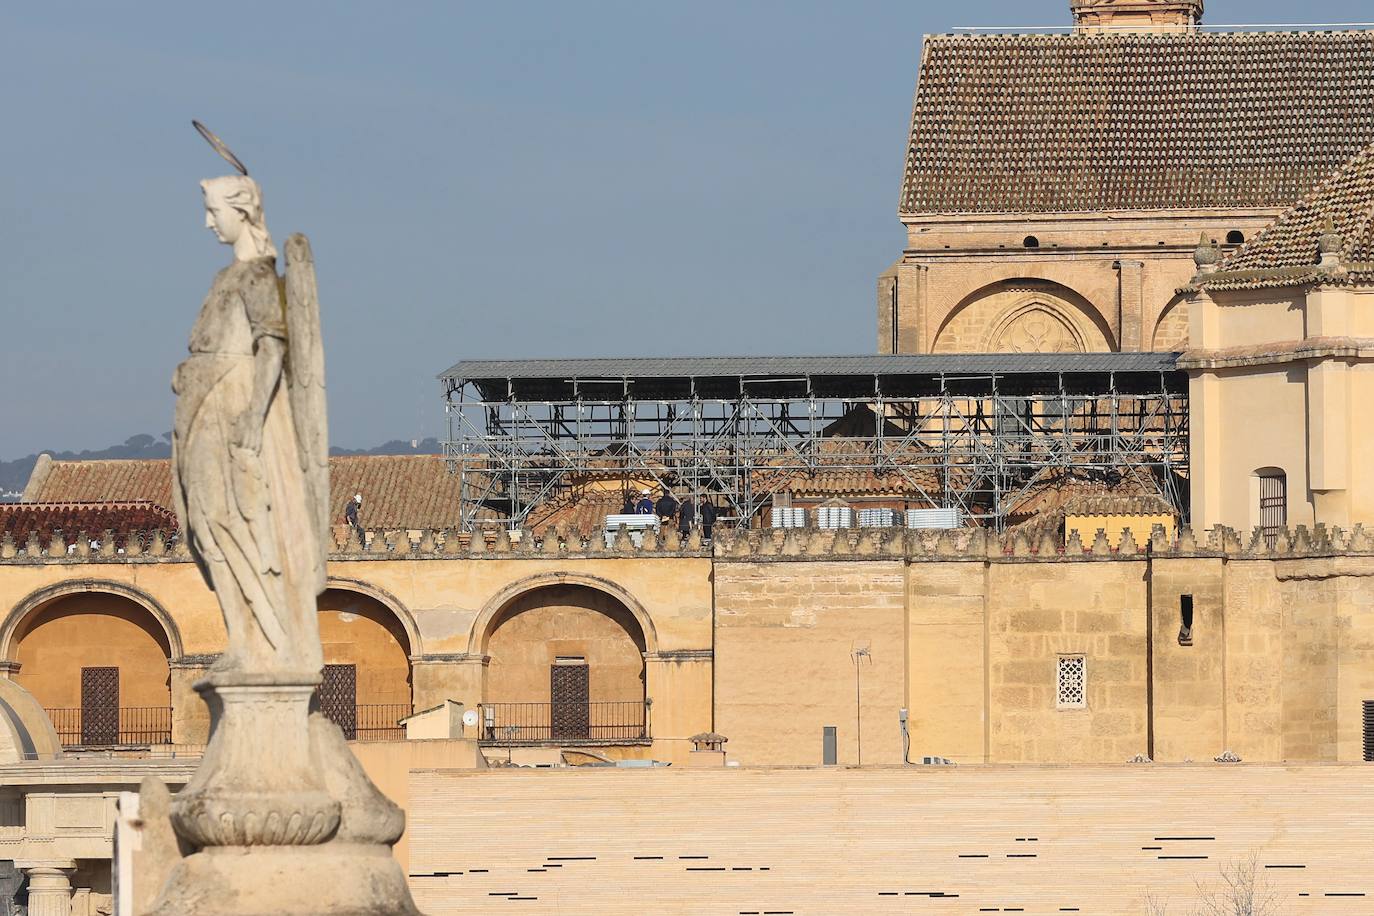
(470, 718)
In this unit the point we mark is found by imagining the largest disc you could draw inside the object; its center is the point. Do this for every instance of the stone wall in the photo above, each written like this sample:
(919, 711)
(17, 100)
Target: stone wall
(775, 635)
(966, 632)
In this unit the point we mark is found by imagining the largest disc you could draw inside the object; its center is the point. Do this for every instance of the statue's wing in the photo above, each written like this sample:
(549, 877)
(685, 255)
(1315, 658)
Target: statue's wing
(305, 376)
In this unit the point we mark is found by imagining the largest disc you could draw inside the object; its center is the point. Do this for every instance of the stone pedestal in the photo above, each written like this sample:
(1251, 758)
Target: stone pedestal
(280, 817)
(258, 784)
(50, 890)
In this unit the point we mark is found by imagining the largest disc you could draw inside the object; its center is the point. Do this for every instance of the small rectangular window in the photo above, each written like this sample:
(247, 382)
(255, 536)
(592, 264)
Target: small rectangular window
(1073, 682)
(1369, 731)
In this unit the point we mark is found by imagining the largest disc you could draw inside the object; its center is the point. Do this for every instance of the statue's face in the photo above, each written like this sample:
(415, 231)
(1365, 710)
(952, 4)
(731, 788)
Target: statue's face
(226, 222)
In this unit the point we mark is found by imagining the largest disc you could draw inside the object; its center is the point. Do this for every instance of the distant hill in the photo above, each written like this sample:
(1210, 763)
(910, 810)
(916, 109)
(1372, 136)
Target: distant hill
(15, 474)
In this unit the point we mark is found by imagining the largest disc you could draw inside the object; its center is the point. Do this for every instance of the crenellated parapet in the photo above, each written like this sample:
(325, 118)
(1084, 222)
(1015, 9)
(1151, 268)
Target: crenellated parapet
(374, 544)
(753, 545)
(980, 544)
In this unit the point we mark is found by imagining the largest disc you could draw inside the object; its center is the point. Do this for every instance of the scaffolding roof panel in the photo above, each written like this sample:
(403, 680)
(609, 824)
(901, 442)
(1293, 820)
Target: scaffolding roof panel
(554, 379)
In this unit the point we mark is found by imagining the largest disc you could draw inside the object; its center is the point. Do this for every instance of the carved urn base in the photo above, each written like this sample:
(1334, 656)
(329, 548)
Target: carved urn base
(259, 783)
(336, 879)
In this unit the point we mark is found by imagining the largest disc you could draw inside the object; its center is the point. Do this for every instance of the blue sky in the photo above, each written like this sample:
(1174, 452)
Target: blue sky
(478, 180)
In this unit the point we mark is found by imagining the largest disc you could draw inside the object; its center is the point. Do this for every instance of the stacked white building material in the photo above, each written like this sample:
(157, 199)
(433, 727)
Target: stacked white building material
(934, 518)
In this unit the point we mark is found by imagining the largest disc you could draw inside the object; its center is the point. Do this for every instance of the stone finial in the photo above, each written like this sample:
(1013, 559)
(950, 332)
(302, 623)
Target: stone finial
(502, 544)
(1159, 539)
(1330, 244)
(57, 544)
(1128, 547)
(1020, 547)
(1302, 540)
(672, 540)
(1073, 547)
(550, 545)
(133, 545)
(525, 544)
(1205, 255)
(1102, 547)
(1321, 537)
(157, 544)
(1216, 538)
(477, 542)
(1186, 542)
(1048, 548)
(453, 543)
(377, 543)
(107, 542)
(7, 548)
(649, 542)
(427, 543)
(83, 544)
(694, 539)
(1227, 757)
(791, 543)
(623, 543)
(180, 549)
(1259, 544)
(1360, 541)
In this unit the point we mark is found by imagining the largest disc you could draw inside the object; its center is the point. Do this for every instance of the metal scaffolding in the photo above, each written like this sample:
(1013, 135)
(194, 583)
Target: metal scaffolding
(980, 432)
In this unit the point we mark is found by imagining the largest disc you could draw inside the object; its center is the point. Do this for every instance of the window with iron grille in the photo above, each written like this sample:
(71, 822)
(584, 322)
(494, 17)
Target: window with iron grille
(1273, 503)
(1073, 682)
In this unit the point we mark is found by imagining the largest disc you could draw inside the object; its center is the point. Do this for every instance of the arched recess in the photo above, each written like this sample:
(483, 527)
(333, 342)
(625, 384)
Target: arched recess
(1027, 315)
(483, 625)
(367, 649)
(573, 645)
(97, 656)
(82, 586)
(1171, 330)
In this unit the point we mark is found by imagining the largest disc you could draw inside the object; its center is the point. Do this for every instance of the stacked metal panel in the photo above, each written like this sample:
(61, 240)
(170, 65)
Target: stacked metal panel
(934, 518)
(788, 518)
(878, 518)
(834, 517)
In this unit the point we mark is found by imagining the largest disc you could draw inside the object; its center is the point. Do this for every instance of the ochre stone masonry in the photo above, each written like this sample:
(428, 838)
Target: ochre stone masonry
(772, 636)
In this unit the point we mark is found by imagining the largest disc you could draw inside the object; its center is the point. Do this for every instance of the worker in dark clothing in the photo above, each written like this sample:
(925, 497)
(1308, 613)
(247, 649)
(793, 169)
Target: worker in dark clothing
(629, 507)
(667, 507)
(708, 517)
(645, 506)
(351, 516)
(686, 515)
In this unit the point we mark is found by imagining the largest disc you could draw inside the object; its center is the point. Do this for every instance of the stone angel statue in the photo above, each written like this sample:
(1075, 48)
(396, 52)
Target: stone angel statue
(249, 444)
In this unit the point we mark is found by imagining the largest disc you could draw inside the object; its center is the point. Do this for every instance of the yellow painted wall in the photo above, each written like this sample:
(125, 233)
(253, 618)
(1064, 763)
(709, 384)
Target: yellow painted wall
(358, 630)
(1114, 526)
(93, 630)
(567, 621)
(762, 644)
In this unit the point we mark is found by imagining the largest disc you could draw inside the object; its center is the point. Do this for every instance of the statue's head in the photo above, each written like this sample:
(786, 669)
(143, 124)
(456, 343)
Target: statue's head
(233, 210)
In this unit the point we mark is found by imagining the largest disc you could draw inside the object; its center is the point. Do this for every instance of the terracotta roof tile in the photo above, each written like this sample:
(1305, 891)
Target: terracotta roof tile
(19, 519)
(399, 491)
(1130, 121)
(1286, 253)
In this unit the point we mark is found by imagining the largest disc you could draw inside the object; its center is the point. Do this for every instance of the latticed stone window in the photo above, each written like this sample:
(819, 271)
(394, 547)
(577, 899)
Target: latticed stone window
(1073, 682)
